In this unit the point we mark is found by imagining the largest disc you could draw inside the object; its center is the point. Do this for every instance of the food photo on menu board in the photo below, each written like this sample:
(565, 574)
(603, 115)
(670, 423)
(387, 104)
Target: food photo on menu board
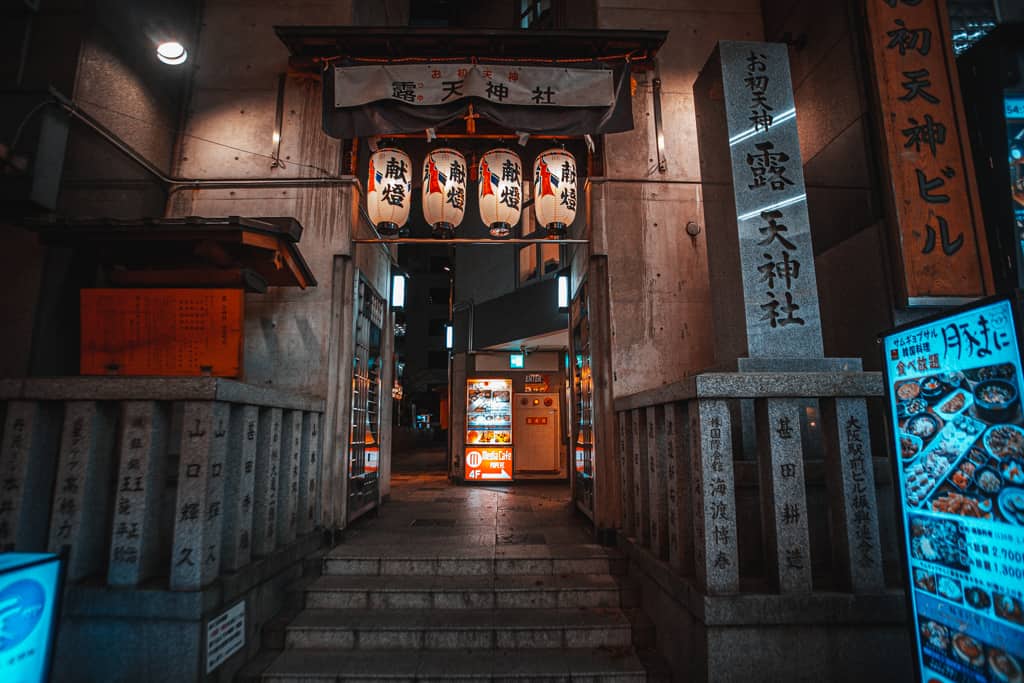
(954, 393)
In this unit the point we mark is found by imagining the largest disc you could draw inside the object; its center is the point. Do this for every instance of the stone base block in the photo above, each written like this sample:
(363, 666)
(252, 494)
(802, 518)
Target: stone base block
(835, 637)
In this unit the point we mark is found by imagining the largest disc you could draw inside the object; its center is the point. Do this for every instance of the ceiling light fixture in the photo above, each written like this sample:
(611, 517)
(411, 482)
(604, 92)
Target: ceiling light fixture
(172, 53)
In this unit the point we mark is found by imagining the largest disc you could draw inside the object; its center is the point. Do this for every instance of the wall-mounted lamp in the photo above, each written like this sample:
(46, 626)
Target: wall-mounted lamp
(397, 291)
(449, 336)
(563, 292)
(171, 52)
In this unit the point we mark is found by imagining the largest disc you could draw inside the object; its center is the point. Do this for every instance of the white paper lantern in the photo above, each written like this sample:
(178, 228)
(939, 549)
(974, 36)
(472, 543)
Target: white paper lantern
(500, 190)
(444, 190)
(389, 190)
(554, 191)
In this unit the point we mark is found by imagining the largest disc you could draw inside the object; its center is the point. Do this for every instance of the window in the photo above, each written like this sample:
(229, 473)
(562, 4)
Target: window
(535, 14)
(538, 261)
(435, 328)
(437, 360)
(437, 295)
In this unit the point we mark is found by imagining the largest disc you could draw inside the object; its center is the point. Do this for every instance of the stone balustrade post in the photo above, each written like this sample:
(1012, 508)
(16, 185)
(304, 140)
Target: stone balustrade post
(136, 537)
(309, 473)
(198, 516)
(677, 490)
(240, 486)
(268, 465)
(26, 475)
(656, 486)
(641, 497)
(714, 497)
(626, 471)
(288, 481)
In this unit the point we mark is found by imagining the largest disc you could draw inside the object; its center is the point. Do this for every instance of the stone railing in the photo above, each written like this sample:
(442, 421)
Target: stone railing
(755, 482)
(164, 482)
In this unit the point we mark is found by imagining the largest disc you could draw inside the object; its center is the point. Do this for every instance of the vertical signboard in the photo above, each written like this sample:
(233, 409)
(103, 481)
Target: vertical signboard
(29, 591)
(488, 430)
(934, 201)
(1013, 104)
(954, 390)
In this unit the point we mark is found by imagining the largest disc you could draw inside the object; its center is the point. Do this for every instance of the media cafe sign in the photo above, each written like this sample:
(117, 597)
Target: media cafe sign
(438, 84)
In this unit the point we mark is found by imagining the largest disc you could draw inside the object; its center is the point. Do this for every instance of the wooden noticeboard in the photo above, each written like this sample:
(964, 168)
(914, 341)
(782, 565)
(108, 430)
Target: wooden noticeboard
(941, 252)
(166, 332)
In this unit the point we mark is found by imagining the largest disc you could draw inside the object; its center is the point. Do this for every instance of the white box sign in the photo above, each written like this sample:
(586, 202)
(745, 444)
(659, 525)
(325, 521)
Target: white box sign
(225, 635)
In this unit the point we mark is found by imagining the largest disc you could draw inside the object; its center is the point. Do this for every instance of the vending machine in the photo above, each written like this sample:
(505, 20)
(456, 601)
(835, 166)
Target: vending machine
(489, 445)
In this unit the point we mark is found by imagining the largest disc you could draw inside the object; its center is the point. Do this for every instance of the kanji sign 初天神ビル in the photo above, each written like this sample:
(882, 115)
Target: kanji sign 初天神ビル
(941, 242)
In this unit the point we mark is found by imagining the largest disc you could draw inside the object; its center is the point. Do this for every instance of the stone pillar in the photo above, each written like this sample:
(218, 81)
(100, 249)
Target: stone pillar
(198, 518)
(268, 465)
(81, 506)
(850, 476)
(309, 470)
(288, 481)
(239, 486)
(136, 537)
(677, 479)
(783, 494)
(714, 497)
(641, 498)
(26, 476)
(765, 298)
(626, 468)
(656, 464)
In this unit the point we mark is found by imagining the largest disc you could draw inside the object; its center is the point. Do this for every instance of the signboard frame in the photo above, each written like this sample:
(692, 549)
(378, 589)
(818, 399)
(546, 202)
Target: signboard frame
(1015, 303)
(58, 595)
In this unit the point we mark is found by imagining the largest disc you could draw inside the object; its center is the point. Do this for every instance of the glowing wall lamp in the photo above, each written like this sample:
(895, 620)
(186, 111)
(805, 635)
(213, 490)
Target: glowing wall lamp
(563, 292)
(171, 52)
(449, 336)
(398, 291)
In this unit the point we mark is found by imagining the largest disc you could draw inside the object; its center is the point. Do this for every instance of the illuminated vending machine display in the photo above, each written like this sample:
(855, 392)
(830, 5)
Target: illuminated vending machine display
(488, 430)
(954, 388)
(30, 589)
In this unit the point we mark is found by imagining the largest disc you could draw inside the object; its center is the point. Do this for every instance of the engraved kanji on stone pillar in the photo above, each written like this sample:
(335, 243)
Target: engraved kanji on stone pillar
(26, 476)
(656, 480)
(850, 476)
(239, 486)
(142, 451)
(268, 466)
(677, 492)
(288, 482)
(626, 472)
(198, 515)
(81, 506)
(309, 472)
(714, 497)
(783, 494)
(641, 497)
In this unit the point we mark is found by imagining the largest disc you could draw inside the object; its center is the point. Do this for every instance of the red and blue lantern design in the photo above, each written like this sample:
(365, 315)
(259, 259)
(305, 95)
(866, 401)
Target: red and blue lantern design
(444, 190)
(555, 190)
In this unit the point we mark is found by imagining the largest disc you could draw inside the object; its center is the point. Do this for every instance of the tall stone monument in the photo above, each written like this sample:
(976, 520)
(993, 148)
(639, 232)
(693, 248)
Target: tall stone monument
(760, 258)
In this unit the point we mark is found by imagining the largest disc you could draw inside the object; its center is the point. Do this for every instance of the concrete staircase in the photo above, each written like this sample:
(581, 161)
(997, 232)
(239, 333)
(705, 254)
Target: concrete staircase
(510, 613)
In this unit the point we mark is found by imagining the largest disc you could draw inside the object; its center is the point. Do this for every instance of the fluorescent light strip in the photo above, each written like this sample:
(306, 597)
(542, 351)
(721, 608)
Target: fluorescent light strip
(751, 132)
(771, 207)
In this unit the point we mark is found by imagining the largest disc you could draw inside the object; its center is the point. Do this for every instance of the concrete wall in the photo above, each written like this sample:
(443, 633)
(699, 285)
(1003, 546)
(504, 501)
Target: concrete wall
(659, 279)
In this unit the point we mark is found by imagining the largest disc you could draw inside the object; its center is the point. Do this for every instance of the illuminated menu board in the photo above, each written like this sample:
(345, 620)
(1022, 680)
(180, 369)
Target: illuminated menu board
(29, 592)
(954, 386)
(488, 430)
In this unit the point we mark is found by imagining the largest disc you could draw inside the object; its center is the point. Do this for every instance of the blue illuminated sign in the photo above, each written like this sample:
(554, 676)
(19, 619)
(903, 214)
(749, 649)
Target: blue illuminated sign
(954, 390)
(516, 360)
(29, 589)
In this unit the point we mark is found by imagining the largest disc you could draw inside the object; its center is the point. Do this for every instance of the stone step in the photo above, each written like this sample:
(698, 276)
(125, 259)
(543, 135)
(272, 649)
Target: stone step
(429, 560)
(427, 629)
(546, 591)
(550, 666)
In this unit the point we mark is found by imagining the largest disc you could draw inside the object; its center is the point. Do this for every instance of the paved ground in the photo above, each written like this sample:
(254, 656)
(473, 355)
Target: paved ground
(425, 509)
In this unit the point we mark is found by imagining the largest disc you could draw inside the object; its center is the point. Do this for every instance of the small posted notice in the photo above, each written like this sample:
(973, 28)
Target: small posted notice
(225, 635)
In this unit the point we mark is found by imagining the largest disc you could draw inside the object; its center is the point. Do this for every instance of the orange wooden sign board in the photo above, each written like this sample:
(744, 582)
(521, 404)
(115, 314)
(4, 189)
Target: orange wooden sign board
(165, 332)
(943, 254)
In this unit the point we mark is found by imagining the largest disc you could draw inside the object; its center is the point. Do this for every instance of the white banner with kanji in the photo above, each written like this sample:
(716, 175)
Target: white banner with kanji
(431, 84)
